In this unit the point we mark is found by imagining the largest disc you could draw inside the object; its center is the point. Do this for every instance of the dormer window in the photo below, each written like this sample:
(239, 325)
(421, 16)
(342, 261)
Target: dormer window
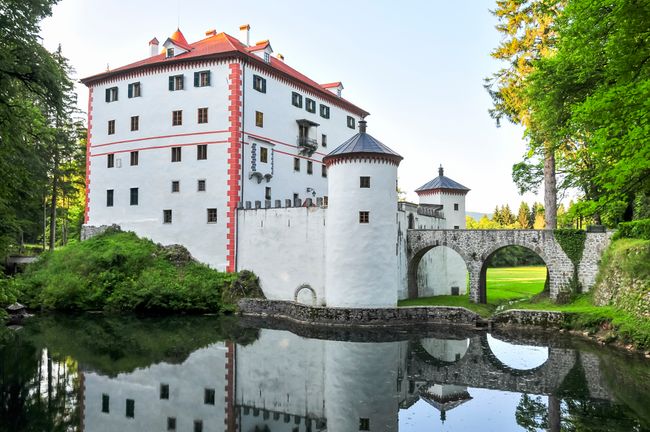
(267, 57)
(170, 52)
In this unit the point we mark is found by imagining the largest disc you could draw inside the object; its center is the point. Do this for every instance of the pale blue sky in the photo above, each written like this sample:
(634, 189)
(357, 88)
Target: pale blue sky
(417, 67)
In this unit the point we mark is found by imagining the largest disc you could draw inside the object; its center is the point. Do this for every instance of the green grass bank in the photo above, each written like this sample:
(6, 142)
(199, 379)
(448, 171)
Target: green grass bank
(120, 272)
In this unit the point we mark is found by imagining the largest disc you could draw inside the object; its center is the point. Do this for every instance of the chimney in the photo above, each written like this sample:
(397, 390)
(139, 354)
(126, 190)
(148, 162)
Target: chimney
(211, 32)
(280, 57)
(244, 34)
(362, 126)
(441, 171)
(153, 47)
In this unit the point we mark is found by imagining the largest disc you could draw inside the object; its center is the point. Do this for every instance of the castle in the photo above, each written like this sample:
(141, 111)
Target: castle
(221, 146)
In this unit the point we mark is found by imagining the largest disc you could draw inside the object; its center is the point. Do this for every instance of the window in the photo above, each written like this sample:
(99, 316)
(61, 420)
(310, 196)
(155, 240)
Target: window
(324, 111)
(167, 216)
(177, 118)
(176, 82)
(212, 218)
(364, 182)
(296, 164)
(105, 403)
(164, 391)
(296, 99)
(203, 115)
(170, 52)
(267, 193)
(111, 94)
(264, 154)
(323, 170)
(110, 160)
(295, 199)
(259, 83)
(200, 185)
(310, 105)
(259, 119)
(109, 197)
(135, 90)
(135, 156)
(171, 423)
(208, 396)
(364, 217)
(325, 200)
(202, 79)
(323, 140)
(130, 408)
(351, 122)
(135, 123)
(198, 425)
(310, 167)
(201, 152)
(456, 227)
(111, 127)
(456, 206)
(134, 196)
(176, 186)
(364, 424)
(267, 57)
(176, 154)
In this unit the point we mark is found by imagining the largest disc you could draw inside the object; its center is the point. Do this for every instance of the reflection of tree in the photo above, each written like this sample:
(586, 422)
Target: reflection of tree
(531, 413)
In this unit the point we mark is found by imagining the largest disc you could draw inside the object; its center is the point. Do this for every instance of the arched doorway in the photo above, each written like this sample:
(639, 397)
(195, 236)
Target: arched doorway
(512, 272)
(437, 270)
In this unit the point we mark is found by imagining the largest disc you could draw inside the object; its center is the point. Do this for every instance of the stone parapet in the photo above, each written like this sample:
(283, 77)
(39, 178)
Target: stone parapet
(527, 318)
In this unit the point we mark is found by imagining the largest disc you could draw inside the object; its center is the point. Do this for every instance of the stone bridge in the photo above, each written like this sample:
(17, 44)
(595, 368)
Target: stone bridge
(476, 247)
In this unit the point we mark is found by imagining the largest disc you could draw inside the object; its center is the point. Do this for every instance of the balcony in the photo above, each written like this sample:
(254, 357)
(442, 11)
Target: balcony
(307, 146)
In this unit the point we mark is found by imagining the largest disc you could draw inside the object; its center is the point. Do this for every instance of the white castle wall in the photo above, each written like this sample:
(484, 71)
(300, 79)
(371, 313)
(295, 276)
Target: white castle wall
(453, 218)
(204, 368)
(285, 247)
(440, 270)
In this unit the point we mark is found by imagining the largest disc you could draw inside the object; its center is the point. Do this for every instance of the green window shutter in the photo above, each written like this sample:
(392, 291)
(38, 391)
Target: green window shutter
(196, 79)
(263, 85)
(116, 89)
(130, 91)
(171, 83)
(108, 95)
(208, 80)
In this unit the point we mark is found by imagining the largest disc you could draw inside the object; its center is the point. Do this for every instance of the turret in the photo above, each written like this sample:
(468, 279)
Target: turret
(361, 233)
(451, 194)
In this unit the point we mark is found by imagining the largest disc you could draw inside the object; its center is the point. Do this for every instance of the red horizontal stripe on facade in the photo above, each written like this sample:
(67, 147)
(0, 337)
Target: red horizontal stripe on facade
(159, 137)
(159, 147)
(298, 156)
(278, 142)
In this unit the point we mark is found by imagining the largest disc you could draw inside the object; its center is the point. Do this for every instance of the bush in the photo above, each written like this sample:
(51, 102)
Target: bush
(639, 229)
(119, 271)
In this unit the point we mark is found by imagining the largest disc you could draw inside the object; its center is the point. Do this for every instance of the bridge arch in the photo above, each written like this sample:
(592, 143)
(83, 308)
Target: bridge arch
(414, 264)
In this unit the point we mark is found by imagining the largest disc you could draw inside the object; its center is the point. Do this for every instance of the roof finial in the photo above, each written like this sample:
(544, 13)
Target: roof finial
(441, 171)
(362, 126)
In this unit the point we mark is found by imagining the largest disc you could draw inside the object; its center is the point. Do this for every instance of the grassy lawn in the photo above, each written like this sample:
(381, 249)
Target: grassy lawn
(503, 285)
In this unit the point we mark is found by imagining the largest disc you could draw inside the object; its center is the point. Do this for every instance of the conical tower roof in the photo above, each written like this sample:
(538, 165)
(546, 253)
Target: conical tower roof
(363, 145)
(442, 183)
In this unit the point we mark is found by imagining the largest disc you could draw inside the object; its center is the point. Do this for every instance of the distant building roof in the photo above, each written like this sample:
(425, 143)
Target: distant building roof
(363, 144)
(442, 183)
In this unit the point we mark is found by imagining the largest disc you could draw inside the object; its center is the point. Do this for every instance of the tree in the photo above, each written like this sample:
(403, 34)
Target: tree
(523, 216)
(528, 33)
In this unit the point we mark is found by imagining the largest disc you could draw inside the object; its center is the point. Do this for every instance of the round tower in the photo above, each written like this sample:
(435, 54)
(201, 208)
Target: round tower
(361, 231)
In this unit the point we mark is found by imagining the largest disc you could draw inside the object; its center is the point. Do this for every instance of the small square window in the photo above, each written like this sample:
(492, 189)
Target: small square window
(267, 193)
(111, 127)
(364, 182)
(202, 152)
(135, 90)
(264, 154)
(109, 197)
(130, 408)
(167, 216)
(259, 83)
(351, 122)
(171, 423)
(134, 196)
(296, 99)
(203, 115)
(176, 154)
(364, 217)
(310, 167)
(310, 105)
(177, 118)
(296, 164)
(110, 160)
(164, 391)
(456, 227)
(323, 140)
(324, 111)
(135, 156)
(259, 119)
(202, 79)
(111, 94)
(212, 218)
(200, 185)
(105, 403)
(456, 206)
(208, 396)
(323, 170)
(135, 123)
(176, 186)
(176, 82)
(198, 425)
(364, 424)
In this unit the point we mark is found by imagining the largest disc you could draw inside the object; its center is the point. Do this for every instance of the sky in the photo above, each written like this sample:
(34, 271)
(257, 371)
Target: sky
(417, 66)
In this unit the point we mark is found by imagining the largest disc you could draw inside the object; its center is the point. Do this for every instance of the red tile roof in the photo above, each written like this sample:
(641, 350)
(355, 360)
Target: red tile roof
(179, 39)
(332, 85)
(222, 45)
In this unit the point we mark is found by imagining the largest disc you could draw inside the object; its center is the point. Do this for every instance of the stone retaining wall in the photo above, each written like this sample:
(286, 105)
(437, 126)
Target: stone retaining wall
(526, 318)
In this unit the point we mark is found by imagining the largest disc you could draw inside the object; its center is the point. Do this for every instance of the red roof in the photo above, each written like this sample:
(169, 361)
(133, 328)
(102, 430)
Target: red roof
(153, 41)
(179, 39)
(332, 85)
(219, 46)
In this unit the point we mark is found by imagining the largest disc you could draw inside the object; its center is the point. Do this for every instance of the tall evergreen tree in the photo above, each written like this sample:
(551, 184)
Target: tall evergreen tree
(523, 216)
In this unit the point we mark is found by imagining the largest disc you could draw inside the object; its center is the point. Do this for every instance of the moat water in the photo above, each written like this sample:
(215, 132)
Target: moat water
(97, 373)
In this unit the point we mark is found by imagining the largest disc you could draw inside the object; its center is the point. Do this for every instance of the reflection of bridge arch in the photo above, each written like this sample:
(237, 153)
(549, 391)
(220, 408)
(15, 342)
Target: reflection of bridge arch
(441, 351)
(494, 359)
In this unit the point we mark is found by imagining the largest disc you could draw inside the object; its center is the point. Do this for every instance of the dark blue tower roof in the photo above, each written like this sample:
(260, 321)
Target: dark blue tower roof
(442, 182)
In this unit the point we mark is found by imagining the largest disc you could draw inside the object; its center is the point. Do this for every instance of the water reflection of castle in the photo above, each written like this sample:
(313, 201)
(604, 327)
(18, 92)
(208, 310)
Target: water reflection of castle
(286, 383)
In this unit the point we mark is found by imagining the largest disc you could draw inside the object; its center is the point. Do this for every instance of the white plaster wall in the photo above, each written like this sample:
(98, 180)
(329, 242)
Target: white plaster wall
(155, 171)
(285, 247)
(440, 269)
(453, 217)
(204, 368)
(449, 350)
(361, 260)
